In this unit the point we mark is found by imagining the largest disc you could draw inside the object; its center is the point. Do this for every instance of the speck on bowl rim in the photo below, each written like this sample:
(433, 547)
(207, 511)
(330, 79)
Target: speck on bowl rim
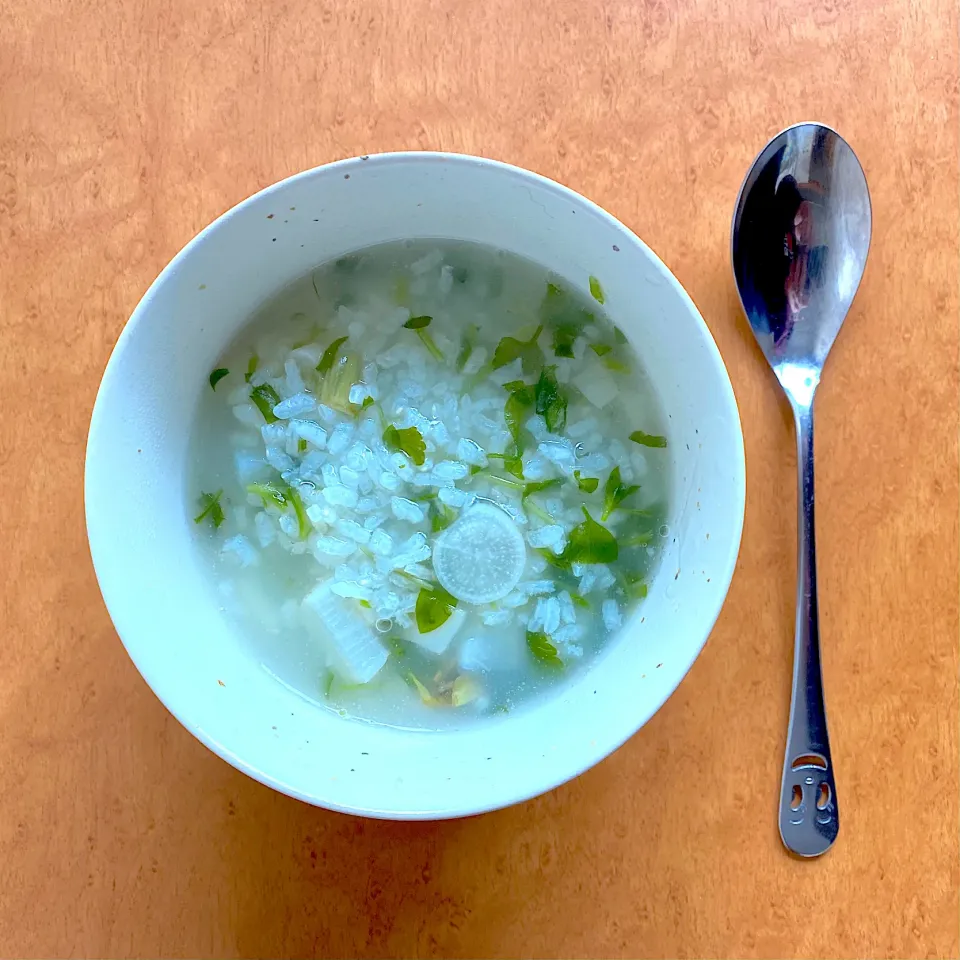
(162, 601)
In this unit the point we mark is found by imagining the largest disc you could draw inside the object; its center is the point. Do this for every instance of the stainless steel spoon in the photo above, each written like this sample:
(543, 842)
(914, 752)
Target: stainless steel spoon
(801, 231)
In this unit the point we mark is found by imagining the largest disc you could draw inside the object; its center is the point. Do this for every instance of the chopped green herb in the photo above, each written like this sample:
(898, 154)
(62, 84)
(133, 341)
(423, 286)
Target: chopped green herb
(364, 603)
(579, 601)
(614, 492)
(303, 521)
(638, 539)
(420, 324)
(564, 318)
(619, 335)
(617, 366)
(527, 351)
(590, 543)
(561, 563)
(265, 398)
(330, 355)
(210, 509)
(551, 402)
(635, 588)
(337, 374)
(434, 606)
(367, 402)
(270, 493)
(540, 646)
(514, 466)
(408, 441)
(466, 347)
(441, 516)
(328, 684)
(301, 445)
(397, 646)
(648, 439)
(601, 349)
(586, 484)
(217, 376)
(251, 368)
(517, 410)
(513, 386)
(539, 485)
(596, 291)
(282, 495)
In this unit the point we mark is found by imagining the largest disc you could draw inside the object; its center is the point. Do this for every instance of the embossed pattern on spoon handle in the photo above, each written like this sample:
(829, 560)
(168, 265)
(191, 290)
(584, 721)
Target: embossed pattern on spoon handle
(809, 820)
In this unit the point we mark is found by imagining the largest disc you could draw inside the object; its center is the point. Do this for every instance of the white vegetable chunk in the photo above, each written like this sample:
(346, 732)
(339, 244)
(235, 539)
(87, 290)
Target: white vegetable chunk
(353, 650)
(596, 384)
(481, 557)
(437, 641)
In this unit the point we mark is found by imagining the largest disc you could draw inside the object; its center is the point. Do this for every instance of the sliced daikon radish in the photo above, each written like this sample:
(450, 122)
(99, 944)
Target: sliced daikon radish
(481, 557)
(436, 641)
(596, 384)
(353, 650)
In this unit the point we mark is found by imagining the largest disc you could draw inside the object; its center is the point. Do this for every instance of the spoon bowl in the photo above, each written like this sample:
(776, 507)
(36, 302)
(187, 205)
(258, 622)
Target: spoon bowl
(801, 232)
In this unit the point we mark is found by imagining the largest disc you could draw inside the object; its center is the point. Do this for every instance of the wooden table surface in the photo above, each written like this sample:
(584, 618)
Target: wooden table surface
(127, 126)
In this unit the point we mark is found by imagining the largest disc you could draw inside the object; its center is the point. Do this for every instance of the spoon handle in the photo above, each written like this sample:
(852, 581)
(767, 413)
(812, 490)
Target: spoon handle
(809, 819)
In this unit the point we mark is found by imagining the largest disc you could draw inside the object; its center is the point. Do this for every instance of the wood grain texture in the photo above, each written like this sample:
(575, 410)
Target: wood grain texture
(127, 126)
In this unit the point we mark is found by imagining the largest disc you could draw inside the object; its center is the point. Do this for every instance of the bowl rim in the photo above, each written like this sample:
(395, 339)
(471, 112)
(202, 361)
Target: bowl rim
(725, 570)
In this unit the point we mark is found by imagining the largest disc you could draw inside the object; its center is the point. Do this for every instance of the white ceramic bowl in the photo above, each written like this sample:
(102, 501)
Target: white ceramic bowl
(163, 603)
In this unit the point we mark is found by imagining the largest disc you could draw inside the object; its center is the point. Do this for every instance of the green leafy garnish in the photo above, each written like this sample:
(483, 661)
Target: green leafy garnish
(270, 492)
(251, 368)
(329, 355)
(367, 402)
(210, 508)
(466, 347)
(590, 542)
(614, 492)
(601, 349)
(434, 607)
(517, 410)
(586, 484)
(397, 646)
(301, 445)
(638, 539)
(539, 485)
(564, 318)
(514, 466)
(303, 521)
(420, 324)
(408, 440)
(551, 402)
(282, 495)
(648, 439)
(217, 376)
(527, 351)
(619, 335)
(337, 375)
(596, 291)
(579, 601)
(441, 516)
(512, 386)
(540, 646)
(617, 366)
(265, 398)
(634, 586)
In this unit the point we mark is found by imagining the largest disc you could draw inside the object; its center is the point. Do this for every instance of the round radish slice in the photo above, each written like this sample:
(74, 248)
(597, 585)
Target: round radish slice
(481, 557)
